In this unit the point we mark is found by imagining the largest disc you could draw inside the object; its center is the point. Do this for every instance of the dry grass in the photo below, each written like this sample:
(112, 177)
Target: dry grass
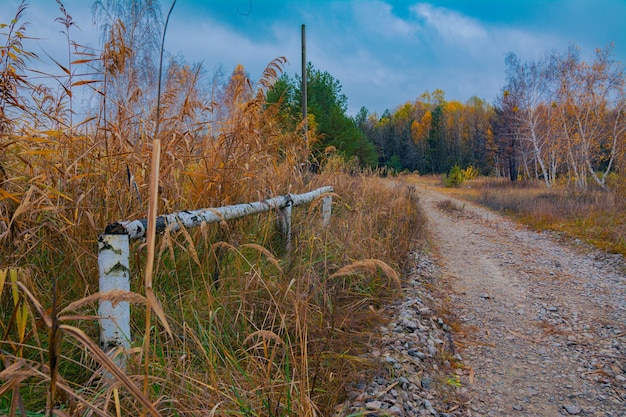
(595, 216)
(264, 335)
(450, 207)
(255, 330)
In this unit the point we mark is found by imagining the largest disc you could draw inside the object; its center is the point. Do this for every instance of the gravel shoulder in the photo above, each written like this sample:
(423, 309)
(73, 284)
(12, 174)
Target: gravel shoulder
(499, 320)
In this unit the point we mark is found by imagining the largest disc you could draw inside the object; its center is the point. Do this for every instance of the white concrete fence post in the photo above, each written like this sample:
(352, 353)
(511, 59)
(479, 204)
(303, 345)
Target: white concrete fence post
(114, 270)
(114, 253)
(326, 209)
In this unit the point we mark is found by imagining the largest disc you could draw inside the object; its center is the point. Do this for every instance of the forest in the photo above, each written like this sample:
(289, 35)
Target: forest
(557, 119)
(227, 321)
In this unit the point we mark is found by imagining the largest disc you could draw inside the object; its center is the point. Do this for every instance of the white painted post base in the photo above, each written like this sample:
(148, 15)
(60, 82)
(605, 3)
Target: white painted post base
(114, 270)
(326, 209)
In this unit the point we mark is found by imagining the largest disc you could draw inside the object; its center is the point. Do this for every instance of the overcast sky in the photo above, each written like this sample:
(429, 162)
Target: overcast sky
(384, 52)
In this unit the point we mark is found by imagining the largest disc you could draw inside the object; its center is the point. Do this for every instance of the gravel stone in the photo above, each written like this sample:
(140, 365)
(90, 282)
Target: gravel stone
(571, 409)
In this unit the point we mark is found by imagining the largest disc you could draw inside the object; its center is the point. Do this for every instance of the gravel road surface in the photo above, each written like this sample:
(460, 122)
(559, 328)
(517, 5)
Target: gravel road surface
(499, 320)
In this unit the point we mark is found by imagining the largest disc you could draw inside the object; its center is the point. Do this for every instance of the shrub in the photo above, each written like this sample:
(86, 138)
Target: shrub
(455, 177)
(470, 173)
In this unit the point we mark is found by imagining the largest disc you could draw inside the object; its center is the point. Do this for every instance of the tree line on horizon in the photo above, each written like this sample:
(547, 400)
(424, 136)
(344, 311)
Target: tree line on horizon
(557, 117)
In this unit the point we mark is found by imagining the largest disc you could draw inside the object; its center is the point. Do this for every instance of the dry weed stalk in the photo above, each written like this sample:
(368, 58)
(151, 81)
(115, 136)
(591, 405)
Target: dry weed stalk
(371, 266)
(51, 322)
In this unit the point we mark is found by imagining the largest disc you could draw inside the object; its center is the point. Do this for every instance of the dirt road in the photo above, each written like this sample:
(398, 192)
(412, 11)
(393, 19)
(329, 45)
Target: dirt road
(498, 320)
(542, 323)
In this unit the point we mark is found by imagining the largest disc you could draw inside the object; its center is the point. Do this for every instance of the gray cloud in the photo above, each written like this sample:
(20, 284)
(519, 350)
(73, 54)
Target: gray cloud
(384, 53)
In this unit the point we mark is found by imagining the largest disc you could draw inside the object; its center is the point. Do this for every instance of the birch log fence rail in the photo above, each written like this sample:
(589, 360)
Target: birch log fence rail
(114, 251)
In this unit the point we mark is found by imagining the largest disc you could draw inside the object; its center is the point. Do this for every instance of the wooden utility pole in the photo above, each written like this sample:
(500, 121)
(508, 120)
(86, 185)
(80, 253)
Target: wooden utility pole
(303, 88)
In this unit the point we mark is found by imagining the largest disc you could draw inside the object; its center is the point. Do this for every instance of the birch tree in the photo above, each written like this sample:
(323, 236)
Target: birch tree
(529, 86)
(131, 33)
(591, 103)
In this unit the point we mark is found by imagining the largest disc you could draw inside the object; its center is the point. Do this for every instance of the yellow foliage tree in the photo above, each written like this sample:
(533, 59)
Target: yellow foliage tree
(419, 130)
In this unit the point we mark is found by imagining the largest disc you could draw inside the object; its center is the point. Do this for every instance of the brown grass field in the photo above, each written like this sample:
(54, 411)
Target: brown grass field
(594, 216)
(255, 330)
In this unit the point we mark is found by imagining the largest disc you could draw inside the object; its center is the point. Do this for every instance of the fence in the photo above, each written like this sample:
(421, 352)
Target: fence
(114, 252)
